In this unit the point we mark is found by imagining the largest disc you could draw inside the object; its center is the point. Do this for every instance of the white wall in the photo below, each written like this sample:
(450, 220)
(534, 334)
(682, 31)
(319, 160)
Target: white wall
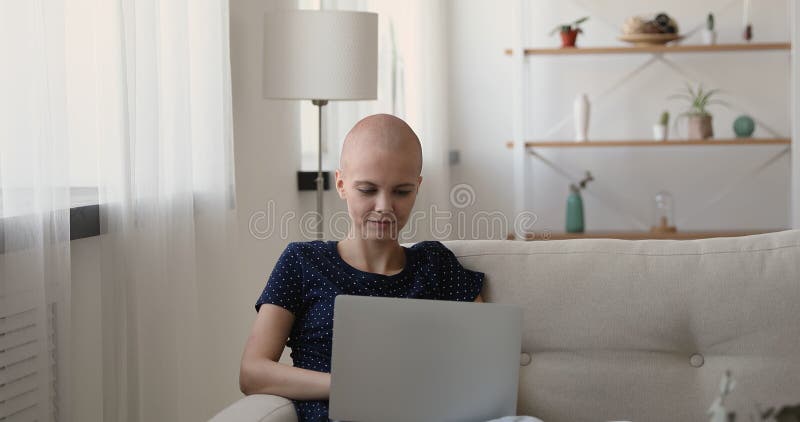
(626, 179)
(267, 156)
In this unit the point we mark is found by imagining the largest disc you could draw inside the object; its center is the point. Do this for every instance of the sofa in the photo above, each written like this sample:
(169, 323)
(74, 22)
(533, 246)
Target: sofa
(637, 330)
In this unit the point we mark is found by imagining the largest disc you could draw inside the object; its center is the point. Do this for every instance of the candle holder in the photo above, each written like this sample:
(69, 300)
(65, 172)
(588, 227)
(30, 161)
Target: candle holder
(664, 213)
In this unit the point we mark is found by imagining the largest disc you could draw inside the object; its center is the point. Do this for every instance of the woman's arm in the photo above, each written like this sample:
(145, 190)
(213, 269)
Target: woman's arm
(260, 371)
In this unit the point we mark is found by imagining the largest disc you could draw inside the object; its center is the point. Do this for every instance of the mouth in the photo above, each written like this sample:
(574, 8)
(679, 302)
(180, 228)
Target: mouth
(381, 223)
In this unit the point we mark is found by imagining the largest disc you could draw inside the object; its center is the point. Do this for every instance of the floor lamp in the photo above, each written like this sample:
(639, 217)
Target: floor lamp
(320, 55)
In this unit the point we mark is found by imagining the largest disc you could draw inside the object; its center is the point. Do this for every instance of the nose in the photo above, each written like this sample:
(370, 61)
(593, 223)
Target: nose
(383, 203)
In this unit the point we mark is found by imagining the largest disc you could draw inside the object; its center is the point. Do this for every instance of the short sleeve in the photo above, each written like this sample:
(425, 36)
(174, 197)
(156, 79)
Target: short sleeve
(285, 285)
(455, 282)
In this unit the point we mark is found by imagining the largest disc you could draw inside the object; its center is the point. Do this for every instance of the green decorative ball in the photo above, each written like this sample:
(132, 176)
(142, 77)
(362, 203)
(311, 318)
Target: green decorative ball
(744, 126)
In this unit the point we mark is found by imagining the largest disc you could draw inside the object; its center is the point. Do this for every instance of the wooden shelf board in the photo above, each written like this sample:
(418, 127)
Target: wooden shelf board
(632, 235)
(643, 143)
(677, 48)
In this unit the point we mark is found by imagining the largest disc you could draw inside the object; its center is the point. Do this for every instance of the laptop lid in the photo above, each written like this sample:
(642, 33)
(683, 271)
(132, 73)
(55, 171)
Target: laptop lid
(423, 360)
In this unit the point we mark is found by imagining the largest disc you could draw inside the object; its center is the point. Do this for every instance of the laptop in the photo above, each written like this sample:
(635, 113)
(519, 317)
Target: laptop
(423, 360)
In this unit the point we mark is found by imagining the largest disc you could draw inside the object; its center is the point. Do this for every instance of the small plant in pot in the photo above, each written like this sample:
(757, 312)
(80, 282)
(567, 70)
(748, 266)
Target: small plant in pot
(660, 129)
(699, 119)
(569, 31)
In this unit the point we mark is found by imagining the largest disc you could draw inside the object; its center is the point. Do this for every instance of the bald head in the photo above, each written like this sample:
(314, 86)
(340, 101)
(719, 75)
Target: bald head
(385, 132)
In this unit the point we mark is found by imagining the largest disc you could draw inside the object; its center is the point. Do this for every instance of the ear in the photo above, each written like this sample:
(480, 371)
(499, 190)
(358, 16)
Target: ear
(419, 182)
(340, 184)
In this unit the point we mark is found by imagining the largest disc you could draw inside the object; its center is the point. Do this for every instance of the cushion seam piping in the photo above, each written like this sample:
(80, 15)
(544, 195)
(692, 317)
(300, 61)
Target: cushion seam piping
(629, 253)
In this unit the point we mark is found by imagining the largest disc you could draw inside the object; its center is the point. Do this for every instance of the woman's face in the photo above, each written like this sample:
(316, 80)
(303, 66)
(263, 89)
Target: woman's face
(380, 187)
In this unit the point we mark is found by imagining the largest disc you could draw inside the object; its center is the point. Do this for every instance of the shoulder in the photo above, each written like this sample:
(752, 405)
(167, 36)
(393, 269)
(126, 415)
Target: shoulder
(304, 249)
(435, 253)
(433, 247)
(298, 254)
(453, 281)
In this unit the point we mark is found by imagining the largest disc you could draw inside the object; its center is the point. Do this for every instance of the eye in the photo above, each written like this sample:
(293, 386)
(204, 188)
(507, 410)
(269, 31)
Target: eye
(367, 191)
(403, 192)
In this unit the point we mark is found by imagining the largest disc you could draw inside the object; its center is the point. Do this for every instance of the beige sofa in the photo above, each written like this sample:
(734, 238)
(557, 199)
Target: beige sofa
(637, 330)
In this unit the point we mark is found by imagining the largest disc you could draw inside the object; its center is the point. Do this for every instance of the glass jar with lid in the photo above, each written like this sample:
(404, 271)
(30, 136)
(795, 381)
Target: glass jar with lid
(663, 213)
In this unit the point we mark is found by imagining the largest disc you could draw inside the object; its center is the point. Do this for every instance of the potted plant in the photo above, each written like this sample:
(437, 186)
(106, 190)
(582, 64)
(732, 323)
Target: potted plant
(709, 35)
(569, 32)
(660, 128)
(698, 116)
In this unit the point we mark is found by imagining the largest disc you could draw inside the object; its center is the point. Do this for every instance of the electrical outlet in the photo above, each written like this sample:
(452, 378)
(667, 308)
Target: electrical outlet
(454, 157)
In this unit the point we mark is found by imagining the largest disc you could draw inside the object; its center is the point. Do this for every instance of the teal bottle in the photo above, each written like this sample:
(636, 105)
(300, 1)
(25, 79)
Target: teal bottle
(574, 210)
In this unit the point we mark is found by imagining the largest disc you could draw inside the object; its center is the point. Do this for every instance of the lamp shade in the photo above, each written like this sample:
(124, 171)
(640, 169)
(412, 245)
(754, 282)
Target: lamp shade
(320, 55)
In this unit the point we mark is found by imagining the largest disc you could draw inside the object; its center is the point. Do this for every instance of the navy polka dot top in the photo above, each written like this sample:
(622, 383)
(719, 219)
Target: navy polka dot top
(309, 276)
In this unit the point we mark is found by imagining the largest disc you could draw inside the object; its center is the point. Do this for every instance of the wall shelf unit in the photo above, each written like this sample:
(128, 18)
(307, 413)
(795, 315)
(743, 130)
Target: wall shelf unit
(522, 56)
(645, 143)
(656, 49)
(633, 235)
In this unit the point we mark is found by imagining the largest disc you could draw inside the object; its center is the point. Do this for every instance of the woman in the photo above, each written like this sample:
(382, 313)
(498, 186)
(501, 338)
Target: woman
(379, 178)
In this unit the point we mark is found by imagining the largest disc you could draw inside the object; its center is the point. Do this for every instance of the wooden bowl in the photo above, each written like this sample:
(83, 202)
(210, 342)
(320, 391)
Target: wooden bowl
(646, 40)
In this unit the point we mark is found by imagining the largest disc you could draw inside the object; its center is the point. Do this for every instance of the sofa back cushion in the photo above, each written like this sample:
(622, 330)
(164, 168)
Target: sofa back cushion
(644, 330)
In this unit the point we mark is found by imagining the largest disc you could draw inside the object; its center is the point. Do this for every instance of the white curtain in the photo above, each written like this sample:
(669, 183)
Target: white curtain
(412, 84)
(154, 91)
(164, 117)
(34, 214)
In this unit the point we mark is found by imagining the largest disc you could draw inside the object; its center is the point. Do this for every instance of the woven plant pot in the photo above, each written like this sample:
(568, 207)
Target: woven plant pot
(700, 126)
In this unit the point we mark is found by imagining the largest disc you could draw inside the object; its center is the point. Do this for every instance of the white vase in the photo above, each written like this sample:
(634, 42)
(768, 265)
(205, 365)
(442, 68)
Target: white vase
(581, 109)
(659, 132)
(709, 36)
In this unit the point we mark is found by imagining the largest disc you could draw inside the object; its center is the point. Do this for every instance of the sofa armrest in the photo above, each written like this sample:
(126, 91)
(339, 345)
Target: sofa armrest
(258, 408)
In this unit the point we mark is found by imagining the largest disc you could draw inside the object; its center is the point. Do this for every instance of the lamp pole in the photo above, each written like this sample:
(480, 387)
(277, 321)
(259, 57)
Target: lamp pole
(320, 179)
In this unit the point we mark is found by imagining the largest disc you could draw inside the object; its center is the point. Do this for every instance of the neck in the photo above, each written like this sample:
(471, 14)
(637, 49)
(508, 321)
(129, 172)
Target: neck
(374, 256)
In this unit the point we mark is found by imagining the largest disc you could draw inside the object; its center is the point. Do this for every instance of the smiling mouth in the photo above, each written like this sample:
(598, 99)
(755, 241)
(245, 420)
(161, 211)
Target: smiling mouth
(384, 222)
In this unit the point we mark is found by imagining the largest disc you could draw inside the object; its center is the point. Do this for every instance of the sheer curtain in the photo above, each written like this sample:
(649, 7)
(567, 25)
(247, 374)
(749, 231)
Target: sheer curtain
(154, 90)
(34, 214)
(164, 117)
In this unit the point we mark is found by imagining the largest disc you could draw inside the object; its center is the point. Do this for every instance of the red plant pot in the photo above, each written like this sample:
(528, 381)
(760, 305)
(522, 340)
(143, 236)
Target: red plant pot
(568, 38)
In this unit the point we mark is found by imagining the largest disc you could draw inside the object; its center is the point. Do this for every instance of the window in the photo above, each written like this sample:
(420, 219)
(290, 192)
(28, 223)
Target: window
(81, 92)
